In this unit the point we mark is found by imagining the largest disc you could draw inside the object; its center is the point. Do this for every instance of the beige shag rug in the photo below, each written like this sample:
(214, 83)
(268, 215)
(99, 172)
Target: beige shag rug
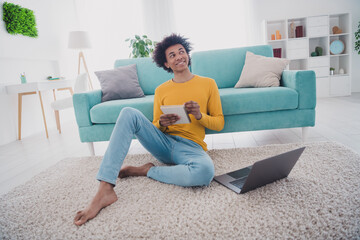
(319, 200)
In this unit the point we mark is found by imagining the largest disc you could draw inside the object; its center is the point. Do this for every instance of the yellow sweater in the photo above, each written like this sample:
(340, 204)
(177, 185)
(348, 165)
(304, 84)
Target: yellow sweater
(202, 90)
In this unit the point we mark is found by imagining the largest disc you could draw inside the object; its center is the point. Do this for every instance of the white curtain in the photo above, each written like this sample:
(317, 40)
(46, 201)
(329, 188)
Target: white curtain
(158, 18)
(209, 24)
(109, 23)
(215, 24)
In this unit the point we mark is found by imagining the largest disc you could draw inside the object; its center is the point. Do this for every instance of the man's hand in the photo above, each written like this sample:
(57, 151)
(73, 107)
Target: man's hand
(168, 119)
(193, 108)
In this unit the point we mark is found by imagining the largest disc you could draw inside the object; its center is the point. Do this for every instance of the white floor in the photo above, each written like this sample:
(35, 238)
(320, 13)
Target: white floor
(337, 119)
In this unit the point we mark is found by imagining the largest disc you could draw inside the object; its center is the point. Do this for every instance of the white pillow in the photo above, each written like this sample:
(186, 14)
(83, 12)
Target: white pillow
(260, 71)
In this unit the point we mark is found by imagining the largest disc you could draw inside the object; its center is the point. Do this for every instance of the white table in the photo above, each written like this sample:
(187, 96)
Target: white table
(36, 88)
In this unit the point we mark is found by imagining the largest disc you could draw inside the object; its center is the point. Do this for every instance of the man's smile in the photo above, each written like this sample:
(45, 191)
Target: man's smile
(181, 63)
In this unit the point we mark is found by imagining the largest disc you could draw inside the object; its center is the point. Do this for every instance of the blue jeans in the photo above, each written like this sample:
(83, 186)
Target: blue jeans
(189, 164)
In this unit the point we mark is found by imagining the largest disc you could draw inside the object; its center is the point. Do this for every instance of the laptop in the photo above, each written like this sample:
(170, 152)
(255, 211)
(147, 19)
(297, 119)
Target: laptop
(261, 173)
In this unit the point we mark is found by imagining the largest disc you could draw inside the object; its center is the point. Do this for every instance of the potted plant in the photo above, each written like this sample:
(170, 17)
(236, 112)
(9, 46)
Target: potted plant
(332, 71)
(141, 46)
(357, 42)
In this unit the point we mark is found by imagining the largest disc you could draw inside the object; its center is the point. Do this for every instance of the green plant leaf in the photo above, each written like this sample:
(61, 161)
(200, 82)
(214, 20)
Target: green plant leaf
(19, 20)
(141, 46)
(357, 42)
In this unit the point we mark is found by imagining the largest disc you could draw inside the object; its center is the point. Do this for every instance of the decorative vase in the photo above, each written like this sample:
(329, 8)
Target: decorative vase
(23, 78)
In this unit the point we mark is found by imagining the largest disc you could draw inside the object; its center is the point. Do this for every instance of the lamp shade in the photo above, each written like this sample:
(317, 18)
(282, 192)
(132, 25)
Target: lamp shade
(79, 40)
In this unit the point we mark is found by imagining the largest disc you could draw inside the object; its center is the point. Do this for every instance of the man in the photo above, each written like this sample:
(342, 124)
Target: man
(181, 146)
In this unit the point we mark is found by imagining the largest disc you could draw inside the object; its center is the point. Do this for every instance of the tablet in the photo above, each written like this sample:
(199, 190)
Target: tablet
(176, 109)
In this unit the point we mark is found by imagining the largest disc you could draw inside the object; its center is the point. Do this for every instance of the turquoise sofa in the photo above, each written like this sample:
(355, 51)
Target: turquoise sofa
(245, 109)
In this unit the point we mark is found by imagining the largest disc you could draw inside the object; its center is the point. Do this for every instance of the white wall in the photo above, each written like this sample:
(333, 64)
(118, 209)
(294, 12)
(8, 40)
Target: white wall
(109, 23)
(38, 58)
(280, 9)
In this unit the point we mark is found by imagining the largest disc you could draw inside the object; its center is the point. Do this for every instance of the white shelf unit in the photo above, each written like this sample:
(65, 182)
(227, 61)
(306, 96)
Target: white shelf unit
(317, 32)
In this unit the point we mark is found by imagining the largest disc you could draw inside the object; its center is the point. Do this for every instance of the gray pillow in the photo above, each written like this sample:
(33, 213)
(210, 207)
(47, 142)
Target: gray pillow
(119, 83)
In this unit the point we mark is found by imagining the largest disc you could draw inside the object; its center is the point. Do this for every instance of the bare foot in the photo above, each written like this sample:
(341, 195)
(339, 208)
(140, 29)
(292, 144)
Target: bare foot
(128, 171)
(103, 198)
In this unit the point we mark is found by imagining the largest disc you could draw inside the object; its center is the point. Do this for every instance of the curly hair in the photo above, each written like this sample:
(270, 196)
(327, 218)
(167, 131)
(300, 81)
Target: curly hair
(159, 56)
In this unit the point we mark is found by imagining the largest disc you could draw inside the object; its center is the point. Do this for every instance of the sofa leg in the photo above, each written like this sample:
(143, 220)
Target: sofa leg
(91, 148)
(305, 131)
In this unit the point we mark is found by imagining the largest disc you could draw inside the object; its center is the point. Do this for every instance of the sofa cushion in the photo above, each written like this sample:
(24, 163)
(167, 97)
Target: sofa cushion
(150, 76)
(252, 100)
(233, 100)
(260, 71)
(108, 112)
(225, 65)
(119, 83)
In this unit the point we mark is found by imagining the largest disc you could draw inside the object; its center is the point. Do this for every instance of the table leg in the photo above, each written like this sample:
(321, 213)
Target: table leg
(19, 114)
(43, 113)
(54, 95)
(20, 95)
(67, 88)
(57, 117)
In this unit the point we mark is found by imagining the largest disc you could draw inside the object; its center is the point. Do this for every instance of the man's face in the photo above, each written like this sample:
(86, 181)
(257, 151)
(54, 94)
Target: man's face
(177, 58)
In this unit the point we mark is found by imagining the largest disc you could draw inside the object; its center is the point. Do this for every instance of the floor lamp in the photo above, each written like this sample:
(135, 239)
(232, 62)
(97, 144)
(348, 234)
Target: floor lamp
(80, 40)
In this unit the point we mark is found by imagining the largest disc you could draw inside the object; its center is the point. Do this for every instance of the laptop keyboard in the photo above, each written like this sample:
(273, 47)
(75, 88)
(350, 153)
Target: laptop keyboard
(240, 173)
(239, 182)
